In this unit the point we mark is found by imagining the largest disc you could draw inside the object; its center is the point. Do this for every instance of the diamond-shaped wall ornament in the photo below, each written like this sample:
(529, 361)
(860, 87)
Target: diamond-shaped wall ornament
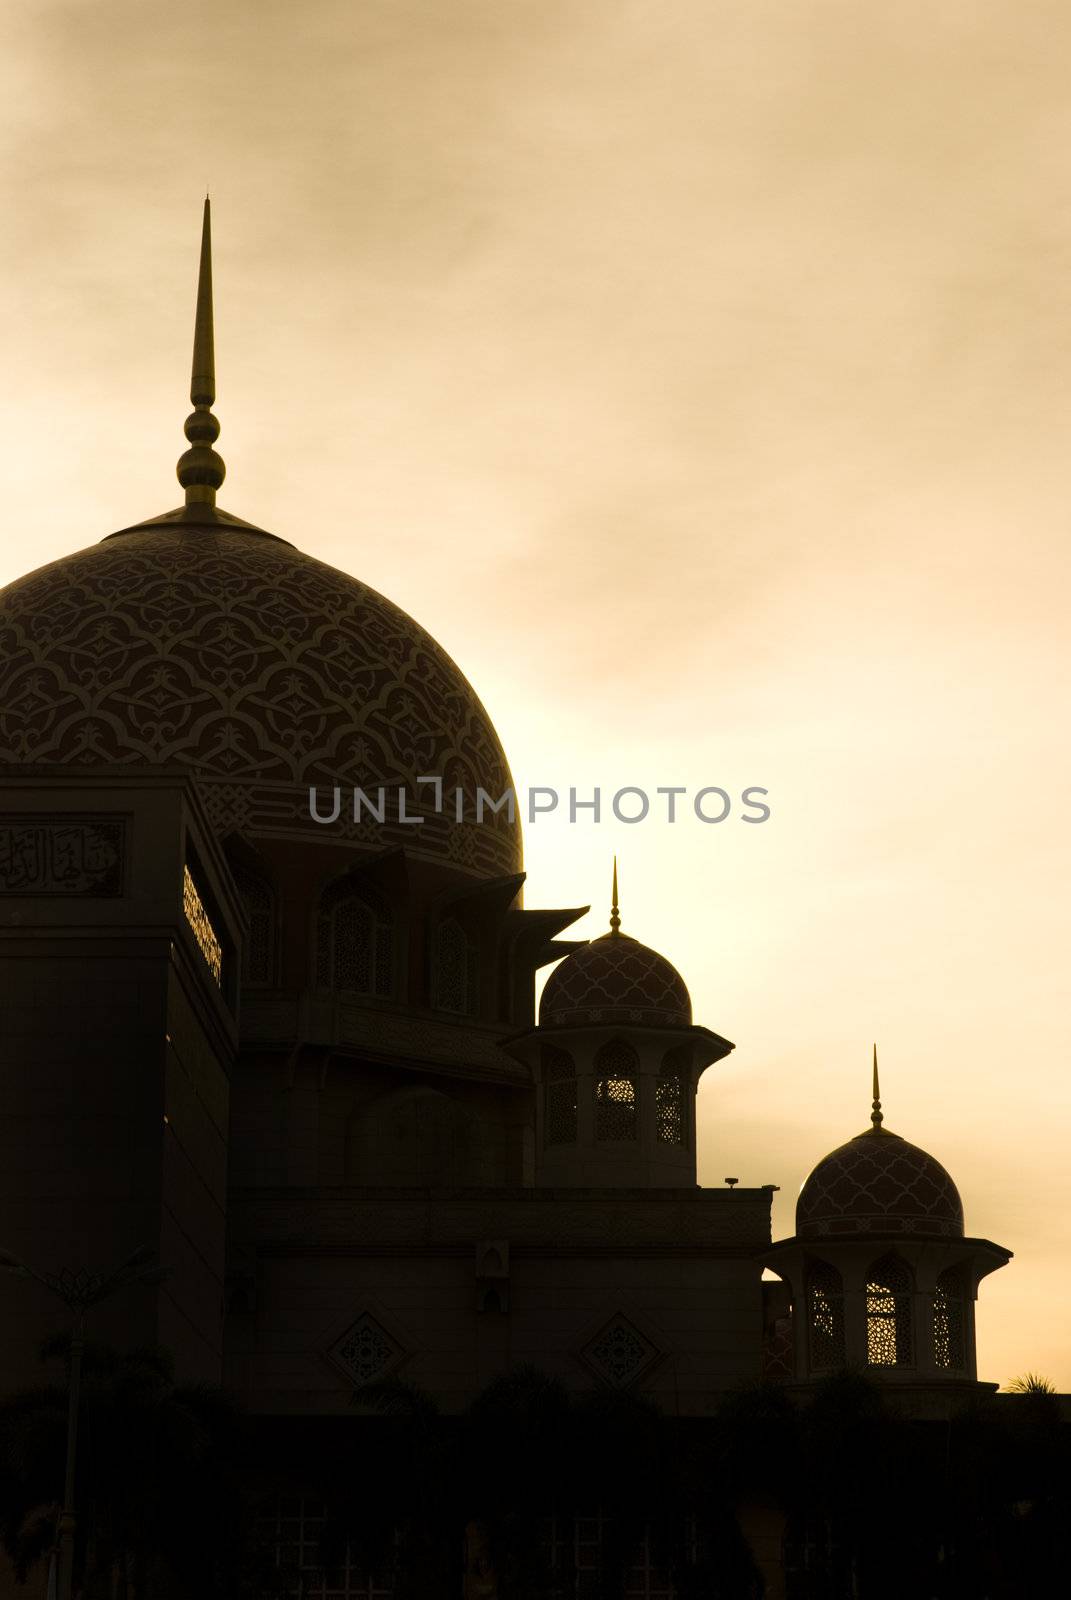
(366, 1351)
(619, 1353)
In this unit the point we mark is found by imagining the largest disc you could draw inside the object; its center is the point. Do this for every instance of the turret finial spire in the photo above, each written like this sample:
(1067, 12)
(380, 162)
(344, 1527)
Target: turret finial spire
(615, 916)
(200, 469)
(875, 1115)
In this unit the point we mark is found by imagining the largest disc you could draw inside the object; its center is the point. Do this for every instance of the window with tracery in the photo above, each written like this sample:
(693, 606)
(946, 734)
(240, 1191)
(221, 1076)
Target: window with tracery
(258, 947)
(559, 1096)
(669, 1100)
(825, 1317)
(617, 1078)
(949, 1320)
(455, 969)
(354, 946)
(778, 1349)
(888, 1314)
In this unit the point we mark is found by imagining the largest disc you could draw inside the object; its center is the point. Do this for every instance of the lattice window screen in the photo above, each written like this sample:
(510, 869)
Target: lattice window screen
(949, 1320)
(354, 947)
(354, 944)
(825, 1317)
(888, 1314)
(456, 970)
(617, 1076)
(671, 1119)
(559, 1096)
(258, 949)
(669, 1109)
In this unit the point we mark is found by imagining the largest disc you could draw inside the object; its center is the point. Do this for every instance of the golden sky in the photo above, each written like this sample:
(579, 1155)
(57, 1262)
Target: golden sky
(699, 373)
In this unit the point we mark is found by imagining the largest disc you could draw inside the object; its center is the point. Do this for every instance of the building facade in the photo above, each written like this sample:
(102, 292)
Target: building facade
(259, 1019)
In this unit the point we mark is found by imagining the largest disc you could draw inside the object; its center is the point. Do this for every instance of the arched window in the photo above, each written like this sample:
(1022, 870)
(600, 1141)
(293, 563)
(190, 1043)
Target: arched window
(669, 1098)
(258, 947)
(778, 1350)
(888, 1314)
(456, 973)
(778, 1333)
(354, 944)
(949, 1320)
(617, 1079)
(825, 1317)
(559, 1096)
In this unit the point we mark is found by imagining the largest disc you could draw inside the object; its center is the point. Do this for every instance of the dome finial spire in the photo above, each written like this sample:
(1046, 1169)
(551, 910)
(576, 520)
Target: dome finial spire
(200, 469)
(875, 1115)
(615, 916)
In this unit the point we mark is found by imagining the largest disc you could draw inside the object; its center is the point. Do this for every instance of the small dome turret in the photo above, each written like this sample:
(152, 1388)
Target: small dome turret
(618, 981)
(880, 1272)
(878, 1183)
(615, 1059)
(615, 979)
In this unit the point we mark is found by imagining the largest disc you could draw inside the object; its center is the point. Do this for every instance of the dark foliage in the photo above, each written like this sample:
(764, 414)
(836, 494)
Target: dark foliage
(870, 1505)
(155, 1461)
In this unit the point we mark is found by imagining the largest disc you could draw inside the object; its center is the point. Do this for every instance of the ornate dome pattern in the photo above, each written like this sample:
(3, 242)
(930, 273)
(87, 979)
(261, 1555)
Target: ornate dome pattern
(878, 1183)
(615, 979)
(264, 671)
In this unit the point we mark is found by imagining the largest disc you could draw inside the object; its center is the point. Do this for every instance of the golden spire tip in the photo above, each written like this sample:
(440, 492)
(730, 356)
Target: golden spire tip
(615, 917)
(875, 1114)
(200, 469)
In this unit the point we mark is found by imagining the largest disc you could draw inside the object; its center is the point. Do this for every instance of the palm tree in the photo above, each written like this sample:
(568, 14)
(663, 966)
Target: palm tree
(394, 1505)
(518, 1462)
(536, 1454)
(526, 1458)
(1031, 1383)
(157, 1477)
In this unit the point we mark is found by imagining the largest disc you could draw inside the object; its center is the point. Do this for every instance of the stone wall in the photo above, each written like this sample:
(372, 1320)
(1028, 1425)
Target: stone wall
(656, 1290)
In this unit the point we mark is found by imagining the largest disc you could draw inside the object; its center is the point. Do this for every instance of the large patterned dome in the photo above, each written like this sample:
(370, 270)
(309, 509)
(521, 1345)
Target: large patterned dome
(615, 979)
(878, 1183)
(224, 649)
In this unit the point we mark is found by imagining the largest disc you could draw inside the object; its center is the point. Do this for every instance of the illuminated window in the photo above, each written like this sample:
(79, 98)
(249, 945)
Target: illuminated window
(617, 1074)
(825, 1317)
(669, 1110)
(888, 1314)
(559, 1096)
(354, 944)
(669, 1099)
(949, 1318)
(203, 931)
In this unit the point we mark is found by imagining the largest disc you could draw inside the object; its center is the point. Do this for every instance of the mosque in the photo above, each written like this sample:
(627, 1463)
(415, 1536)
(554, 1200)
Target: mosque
(303, 1062)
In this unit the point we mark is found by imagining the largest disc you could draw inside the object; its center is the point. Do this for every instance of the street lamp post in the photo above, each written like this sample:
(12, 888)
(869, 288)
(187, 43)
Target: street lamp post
(79, 1291)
